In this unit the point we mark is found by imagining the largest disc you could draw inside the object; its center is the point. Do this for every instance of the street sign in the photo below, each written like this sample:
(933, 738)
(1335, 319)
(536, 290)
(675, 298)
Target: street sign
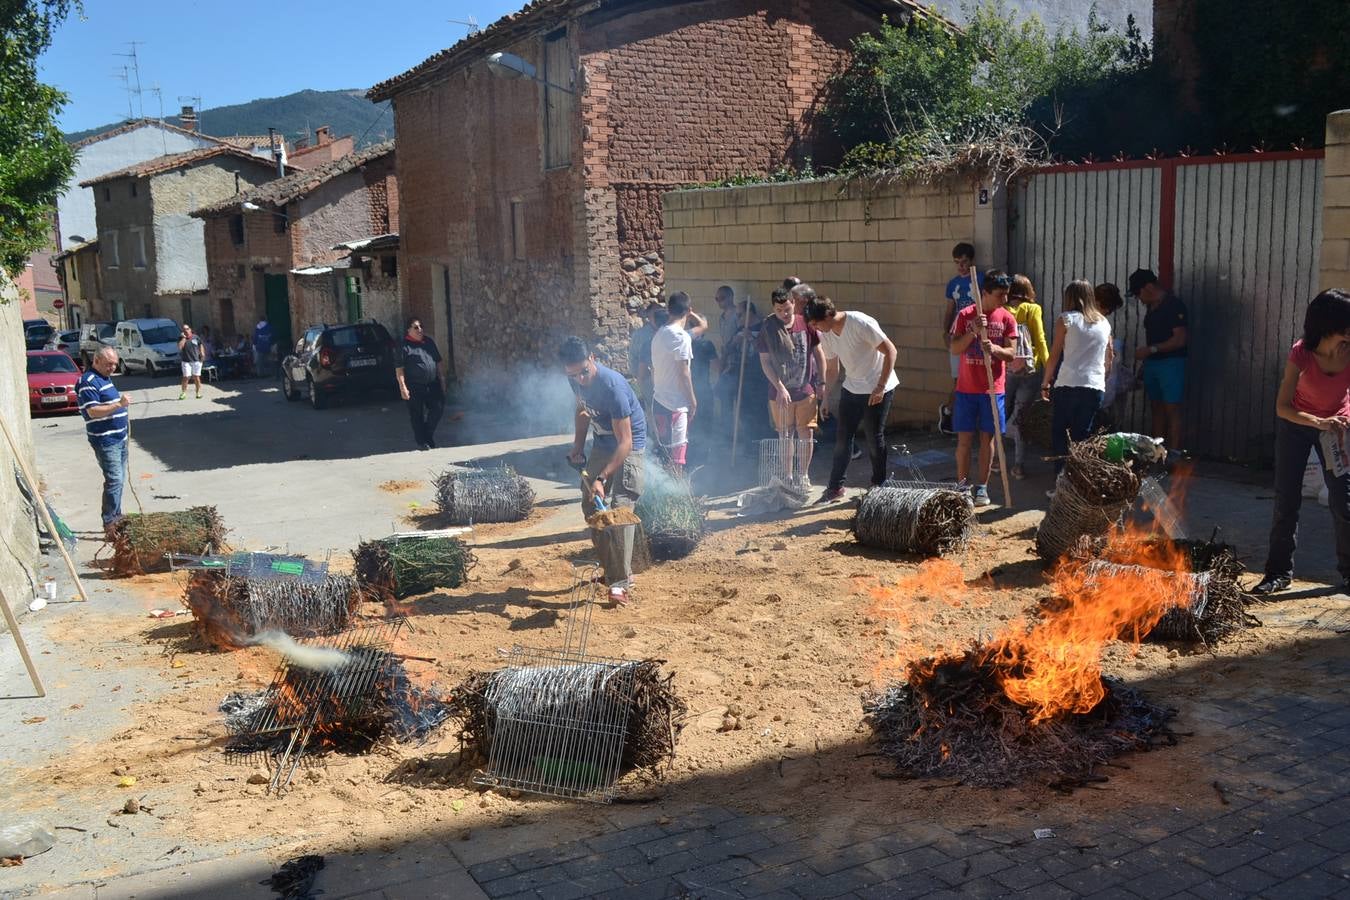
(58, 303)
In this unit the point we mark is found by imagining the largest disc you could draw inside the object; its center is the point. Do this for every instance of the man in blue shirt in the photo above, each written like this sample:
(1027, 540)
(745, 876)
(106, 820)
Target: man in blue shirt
(960, 294)
(262, 348)
(609, 409)
(105, 424)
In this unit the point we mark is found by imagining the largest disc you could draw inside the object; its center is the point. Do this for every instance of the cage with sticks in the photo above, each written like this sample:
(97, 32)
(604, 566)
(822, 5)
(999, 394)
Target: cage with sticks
(673, 519)
(564, 723)
(1207, 605)
(405, 565)
(785, 460)
(229, 609)
(307, 709)
(468, 495)
(142, 542)
(915, 517)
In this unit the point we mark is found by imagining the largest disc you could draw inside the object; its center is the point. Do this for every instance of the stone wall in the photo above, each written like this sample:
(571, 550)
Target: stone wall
(1335, 265)
(884, 251)
(19, 558)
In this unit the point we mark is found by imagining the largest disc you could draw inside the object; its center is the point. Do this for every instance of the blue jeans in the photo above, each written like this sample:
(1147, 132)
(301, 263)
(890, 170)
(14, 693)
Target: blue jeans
(112, 459)
(1071, 418)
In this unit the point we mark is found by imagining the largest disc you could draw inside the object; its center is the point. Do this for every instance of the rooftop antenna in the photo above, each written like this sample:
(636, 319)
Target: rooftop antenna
(159, 95)
(470, 23)
(197, 106)
(124, 75)
(135, 72)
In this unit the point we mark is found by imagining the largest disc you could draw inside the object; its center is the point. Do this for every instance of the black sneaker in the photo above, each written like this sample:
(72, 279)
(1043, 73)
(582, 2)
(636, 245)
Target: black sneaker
(831, 495)
(945, 419)
(1272, 584)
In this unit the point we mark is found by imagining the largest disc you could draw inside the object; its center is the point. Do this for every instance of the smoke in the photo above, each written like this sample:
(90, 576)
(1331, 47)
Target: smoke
(322, 659)
(522, 401)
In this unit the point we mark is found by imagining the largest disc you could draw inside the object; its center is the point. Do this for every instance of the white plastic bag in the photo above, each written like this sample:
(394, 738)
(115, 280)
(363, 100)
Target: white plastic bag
(25, 839)
(1313, 484)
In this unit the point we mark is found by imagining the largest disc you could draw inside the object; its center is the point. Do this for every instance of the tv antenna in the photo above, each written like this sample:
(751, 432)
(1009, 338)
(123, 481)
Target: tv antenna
(124, 75)
(470, 23)
(196, 106)
(134, 73)
(159, 95)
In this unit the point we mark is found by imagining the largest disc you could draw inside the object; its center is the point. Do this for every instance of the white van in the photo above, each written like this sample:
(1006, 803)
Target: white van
(148, 345)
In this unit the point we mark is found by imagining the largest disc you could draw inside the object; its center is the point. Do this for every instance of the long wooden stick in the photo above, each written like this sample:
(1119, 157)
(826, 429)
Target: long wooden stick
(993, 396)
(740, 384)
(18, 640)
(42, 510)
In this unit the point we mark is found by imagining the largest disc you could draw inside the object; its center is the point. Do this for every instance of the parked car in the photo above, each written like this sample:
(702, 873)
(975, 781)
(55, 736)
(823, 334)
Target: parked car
(66, 342)
(331, 359)
(52, 375)
(148, 345)
(94, 336)
(36, 333)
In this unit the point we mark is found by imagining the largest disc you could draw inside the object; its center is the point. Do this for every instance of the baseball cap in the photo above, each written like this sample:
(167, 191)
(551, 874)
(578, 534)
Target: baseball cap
(1139, 278)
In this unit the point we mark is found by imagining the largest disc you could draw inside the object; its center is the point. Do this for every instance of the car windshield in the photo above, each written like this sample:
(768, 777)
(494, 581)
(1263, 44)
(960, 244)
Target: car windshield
(161, 334)
(356, 334)
(49, 364)
(36, 330)
(106, 331)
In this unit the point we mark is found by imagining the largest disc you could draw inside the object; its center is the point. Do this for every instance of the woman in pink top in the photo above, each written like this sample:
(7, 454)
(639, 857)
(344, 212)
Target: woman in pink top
(1314, 412)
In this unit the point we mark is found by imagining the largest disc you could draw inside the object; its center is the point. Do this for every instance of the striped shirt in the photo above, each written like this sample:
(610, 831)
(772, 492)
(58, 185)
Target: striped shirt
(93, 390)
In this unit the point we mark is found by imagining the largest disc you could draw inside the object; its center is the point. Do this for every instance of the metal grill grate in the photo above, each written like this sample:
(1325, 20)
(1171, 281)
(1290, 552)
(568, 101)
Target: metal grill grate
(252, 565)
(558, 718)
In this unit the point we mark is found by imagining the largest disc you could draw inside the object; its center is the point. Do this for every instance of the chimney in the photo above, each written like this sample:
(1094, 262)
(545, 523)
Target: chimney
(323, 135)
(188, 117)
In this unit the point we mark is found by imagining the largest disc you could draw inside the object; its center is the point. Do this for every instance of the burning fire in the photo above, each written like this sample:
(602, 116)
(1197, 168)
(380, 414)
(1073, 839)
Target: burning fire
(1053, 668)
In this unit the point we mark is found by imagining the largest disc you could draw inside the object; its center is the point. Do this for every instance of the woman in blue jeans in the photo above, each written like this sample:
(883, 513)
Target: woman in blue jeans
(1082, 352)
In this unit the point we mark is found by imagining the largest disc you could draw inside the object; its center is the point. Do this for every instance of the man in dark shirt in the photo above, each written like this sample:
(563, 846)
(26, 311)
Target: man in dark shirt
(608, 408)
(419, 383)
(1164, 356)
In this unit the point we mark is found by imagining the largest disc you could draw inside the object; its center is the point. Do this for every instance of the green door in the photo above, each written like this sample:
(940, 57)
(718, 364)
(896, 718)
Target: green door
(353, 285)
(278, 311)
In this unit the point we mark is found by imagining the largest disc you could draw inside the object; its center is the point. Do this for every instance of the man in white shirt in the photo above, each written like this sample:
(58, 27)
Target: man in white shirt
(868, 357)
(673, 399)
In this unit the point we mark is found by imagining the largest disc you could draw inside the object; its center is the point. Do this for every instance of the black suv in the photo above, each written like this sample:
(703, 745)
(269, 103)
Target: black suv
(339, 358)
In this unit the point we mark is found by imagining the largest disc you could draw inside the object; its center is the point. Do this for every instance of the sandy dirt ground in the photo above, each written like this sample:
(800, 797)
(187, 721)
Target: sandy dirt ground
(780, 624)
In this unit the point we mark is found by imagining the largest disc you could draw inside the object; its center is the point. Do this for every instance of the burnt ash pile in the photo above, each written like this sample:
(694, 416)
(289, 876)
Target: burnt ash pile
(950, 718)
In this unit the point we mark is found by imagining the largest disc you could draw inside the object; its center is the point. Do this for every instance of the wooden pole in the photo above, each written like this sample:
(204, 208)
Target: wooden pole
(42, 510)
(18, 640)
(993, 396)
(740, 384)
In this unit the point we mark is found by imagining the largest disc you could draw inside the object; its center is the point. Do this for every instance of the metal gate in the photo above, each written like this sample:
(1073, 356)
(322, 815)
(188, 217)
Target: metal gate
(1236, 237)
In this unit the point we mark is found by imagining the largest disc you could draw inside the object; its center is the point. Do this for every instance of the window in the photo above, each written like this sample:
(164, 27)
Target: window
(74, 270)
(389, 266)
(518, 229)
(557, 101)
(237, 230)
(138, 247)
(279, 222)
(239, 272)
(107, 247)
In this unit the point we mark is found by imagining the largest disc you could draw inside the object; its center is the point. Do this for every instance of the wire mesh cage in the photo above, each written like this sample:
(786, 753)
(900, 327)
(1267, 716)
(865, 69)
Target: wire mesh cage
(229, 609)
(558, 719)
(469, 495)
(785, 461)
(252, 565)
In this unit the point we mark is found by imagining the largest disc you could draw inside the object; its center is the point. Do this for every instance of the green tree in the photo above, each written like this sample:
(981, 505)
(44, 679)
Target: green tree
(35, 161)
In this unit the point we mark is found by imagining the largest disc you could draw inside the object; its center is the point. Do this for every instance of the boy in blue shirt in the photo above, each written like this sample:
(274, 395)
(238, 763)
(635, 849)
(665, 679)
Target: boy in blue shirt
(960, 295)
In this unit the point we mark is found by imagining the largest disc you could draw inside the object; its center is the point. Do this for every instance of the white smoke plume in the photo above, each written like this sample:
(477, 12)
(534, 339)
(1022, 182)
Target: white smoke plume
(322, 659)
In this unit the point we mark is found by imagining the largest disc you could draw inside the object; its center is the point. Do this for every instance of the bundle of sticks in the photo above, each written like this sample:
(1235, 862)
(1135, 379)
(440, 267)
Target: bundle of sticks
(467, 496)
(228, 610)
(396, 568)
(1091, 496)
(929, 521)
(672, 518)
(141, 543)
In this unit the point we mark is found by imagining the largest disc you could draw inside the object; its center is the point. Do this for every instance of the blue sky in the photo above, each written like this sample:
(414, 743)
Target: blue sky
(232, 52)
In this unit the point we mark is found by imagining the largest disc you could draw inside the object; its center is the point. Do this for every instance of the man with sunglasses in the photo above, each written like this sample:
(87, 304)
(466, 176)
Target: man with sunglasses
(419, 383)
(608, 408)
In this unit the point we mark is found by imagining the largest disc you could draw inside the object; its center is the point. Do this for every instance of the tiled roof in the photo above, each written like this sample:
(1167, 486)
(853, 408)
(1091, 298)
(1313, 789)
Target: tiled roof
(512, 27)
(176, 160)
(132, 125)
(250, 140)
(76, 248)
(282, 191)
(370, 245)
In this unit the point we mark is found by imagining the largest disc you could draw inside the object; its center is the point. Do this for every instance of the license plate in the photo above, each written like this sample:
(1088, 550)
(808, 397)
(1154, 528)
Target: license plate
(53, 400)
(358, 363)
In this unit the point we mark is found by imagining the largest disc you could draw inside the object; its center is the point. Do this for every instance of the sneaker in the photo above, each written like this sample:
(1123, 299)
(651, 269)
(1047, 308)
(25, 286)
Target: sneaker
(962, 485)
(619, 596)
(979, 495)
(1272, 584)
(182, 395)
(831, 495)
(1019, 473)
(945, 419)
(994, 467)
(199, 395)
(423, 446)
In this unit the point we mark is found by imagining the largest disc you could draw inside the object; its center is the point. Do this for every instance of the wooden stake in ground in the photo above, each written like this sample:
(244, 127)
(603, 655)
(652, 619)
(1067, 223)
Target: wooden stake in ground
(42, 510)
(736, 412)
(993, 396)
(18, 640)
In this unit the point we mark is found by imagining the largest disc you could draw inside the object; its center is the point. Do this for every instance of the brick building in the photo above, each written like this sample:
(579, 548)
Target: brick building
(532, 208)
(81, 276)
(150, 247)
(325, 149)
(264, 245)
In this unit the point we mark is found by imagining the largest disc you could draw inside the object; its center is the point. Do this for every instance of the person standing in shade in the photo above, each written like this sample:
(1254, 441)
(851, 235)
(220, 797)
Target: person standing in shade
(105, 425)
(640, 352)
(608, 408)
(792, 361)
(1313, 414)
(1083, 343)
(674, 401)
(419, 383)
(960, 295)
(191, 354)
(262, 348)
(1024, 373)
(1164, 356)
(855, 341)
(980, 332)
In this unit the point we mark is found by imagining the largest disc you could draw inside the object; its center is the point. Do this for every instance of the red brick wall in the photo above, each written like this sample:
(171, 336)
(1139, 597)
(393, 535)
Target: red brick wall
(263, 250)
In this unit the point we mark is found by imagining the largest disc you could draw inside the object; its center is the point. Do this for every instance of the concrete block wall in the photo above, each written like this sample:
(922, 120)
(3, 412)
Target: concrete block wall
(1335, 266)
(885, 251)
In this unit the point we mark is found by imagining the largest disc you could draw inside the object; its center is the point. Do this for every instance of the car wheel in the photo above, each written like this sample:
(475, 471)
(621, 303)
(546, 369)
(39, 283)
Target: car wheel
(316, 397)
(288, 387)
(121, 368)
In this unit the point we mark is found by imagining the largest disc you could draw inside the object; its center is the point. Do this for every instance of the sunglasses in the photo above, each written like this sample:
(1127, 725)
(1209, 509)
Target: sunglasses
(1001, 281)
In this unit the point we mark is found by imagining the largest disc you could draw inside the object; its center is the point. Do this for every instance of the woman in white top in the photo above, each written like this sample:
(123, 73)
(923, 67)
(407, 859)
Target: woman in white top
(1082, 352)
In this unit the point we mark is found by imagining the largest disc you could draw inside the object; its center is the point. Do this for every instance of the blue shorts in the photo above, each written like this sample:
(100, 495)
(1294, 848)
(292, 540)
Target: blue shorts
(973, 413)
(1165, 379)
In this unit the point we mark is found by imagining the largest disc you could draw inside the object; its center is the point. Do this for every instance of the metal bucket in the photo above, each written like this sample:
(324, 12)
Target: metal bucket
(614, 547)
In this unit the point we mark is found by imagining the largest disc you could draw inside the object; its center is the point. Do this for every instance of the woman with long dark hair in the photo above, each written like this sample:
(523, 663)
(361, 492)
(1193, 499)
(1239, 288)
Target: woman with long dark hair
(1082, 344)
(1313, 413)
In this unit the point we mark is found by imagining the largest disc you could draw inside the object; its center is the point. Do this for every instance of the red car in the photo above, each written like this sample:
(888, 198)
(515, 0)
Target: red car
(51, 382)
